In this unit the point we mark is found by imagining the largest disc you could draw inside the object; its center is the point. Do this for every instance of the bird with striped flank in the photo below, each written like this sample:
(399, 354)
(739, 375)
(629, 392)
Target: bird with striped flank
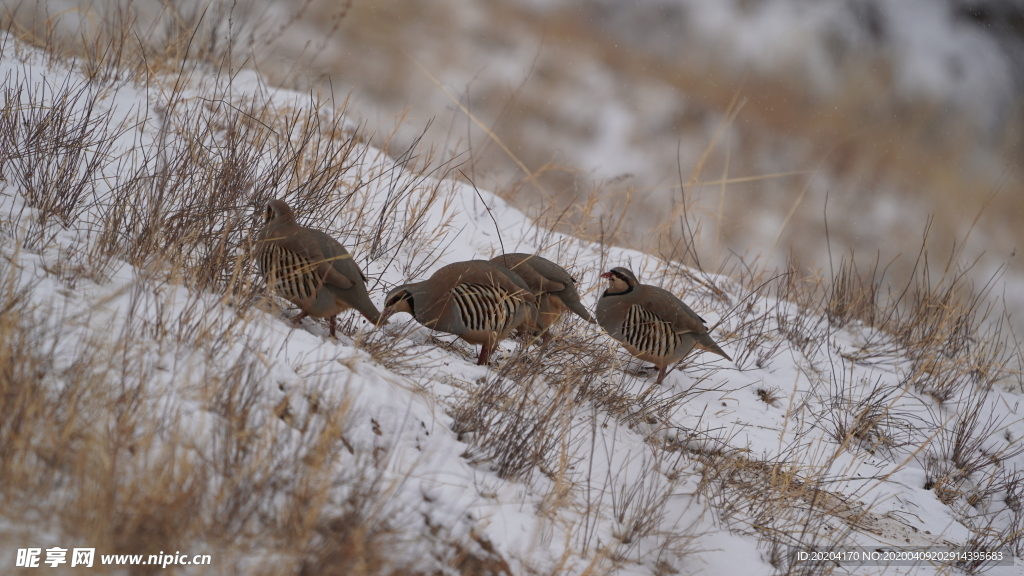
(651, 323)
(554, 288)
(478, 301)
(310, 269)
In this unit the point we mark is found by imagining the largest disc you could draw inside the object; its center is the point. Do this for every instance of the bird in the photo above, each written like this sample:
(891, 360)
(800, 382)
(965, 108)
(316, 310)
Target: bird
(651, 323)
(554, 288)
(478, 301)
(310, 269)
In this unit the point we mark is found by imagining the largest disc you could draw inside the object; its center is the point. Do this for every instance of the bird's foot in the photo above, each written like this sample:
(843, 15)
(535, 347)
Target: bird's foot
(449, 346)
(643, 371)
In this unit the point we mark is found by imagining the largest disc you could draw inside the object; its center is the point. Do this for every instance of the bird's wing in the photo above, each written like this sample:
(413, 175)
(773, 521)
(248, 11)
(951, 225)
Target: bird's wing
(488, 273)
(671, 309)
(322, 264)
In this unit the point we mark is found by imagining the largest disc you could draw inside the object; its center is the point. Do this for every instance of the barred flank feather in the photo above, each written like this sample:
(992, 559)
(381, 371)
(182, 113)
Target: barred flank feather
(649, 334)
(288, 274)
(485, 308)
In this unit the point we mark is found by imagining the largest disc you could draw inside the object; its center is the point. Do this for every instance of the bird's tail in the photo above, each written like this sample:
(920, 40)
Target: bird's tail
(365, 307)
(704, 342)
(572, 302)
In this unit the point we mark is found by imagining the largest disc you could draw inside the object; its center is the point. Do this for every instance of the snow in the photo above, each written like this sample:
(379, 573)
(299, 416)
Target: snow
(615, 469)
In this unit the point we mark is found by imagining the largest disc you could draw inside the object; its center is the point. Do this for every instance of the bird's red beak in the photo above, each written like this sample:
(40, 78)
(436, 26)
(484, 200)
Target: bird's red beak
(608, 275)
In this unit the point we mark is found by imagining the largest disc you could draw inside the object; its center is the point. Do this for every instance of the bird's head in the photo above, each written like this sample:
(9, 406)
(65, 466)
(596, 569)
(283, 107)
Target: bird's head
(620, 280)
(277, 209)
(399, 300)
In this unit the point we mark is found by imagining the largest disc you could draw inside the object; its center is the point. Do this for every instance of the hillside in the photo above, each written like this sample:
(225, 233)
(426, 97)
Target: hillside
(156, 400)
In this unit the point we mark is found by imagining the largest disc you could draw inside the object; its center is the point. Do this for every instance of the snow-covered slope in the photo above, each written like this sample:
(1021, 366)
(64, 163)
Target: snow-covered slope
(963, 54)
(553, 460)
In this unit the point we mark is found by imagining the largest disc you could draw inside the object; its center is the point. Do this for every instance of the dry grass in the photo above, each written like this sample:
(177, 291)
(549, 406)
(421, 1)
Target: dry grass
(96, 445)
(98, 441)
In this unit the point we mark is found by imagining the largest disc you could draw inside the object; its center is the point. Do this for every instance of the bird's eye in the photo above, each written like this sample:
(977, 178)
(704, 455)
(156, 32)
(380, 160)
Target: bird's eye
(268, 215)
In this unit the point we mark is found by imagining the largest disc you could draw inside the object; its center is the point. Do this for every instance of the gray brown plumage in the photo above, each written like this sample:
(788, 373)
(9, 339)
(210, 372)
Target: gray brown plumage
(478, 301)
(651, 323)
(310, 269)
(554, 288)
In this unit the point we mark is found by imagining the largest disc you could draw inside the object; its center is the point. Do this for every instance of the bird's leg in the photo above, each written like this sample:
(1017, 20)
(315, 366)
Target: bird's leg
(333, 323)
(485, 354)
(531, 337)
(661, 375)
(298, 318)
(546, 337)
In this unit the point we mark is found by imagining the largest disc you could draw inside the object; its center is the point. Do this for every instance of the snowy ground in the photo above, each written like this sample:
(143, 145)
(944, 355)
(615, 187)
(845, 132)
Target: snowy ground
(823, 432)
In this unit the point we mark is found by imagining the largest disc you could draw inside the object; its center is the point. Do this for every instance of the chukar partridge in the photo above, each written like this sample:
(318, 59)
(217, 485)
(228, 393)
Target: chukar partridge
(310, 269)
(554, 288)
(478, 301)
(651, 323)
